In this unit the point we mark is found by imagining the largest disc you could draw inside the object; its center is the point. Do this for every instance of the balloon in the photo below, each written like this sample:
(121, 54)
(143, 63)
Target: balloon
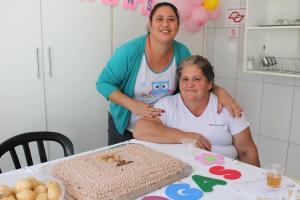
(195, 13)
(199, 15)
(191, 26)
(214, 14)
(184, 9)
(194, 2)
(210, 4)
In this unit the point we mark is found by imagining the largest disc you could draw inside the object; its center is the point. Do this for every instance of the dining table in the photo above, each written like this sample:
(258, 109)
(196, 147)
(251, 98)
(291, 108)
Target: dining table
(213, 176)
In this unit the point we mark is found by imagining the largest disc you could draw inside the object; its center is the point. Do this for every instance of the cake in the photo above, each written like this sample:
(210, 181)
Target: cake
(124, 172)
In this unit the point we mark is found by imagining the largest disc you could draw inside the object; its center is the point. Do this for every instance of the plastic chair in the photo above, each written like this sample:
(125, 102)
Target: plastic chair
(39, 137)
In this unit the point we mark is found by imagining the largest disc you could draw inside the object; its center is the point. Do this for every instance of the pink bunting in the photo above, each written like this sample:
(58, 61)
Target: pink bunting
(130, 4)
(147, 7)
(110, 2)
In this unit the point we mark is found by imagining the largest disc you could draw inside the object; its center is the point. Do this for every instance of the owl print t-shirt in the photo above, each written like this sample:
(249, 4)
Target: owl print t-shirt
(151, 86)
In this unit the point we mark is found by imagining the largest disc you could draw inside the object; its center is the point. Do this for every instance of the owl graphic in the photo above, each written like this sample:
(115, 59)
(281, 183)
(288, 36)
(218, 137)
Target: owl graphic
(160, 87)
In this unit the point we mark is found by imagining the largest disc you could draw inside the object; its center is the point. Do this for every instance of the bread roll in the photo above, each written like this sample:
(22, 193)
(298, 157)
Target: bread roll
(5, 190)
(23, 184)
(42, 196)
(33, 181)
(40, 189)
(26, 194)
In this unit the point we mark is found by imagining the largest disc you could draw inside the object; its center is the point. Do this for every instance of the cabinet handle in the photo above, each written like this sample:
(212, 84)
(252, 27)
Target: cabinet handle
(50, 63)
(38, 63)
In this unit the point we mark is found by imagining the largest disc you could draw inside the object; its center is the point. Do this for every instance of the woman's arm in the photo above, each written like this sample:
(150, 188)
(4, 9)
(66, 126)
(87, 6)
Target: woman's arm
(115, 74)
(225, 99)
(153, 130)
(246, 148)
(137, 107)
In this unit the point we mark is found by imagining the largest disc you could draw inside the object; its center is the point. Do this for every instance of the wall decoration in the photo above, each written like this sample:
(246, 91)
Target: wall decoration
(130, 4)
(209, 159)
(195, 13)
(230, 174)
(206, 184)
(210, 4)
(183, 191)
(147, 7)
(110, 2)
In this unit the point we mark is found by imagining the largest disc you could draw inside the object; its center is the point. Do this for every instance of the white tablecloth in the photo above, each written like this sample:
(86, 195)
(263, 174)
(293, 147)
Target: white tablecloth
(250, 185)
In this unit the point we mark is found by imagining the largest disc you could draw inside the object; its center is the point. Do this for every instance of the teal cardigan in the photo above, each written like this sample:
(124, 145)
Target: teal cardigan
(121, 71)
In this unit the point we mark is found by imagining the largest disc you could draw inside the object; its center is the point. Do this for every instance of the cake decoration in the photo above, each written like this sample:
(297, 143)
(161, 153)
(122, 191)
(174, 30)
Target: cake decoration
(115, 158)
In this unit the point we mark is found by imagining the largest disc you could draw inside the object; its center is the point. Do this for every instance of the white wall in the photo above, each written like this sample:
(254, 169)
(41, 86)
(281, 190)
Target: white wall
(271, 104)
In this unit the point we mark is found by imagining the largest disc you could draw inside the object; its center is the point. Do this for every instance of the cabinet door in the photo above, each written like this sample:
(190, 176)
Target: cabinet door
(21, 82)
(22, 95)
(76, 39)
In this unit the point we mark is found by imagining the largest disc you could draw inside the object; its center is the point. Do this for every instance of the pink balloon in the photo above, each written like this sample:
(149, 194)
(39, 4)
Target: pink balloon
(194, 2)
(191, 26)
(199, 15)
(214, 14)
(184, 8)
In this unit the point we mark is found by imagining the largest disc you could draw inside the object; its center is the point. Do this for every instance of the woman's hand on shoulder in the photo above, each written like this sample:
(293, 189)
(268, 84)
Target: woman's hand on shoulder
(145, 110)
(226, 100)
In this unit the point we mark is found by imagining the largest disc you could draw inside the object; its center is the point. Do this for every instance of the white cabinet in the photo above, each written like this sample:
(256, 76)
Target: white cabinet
(272, 37)
(51, 53)
(79, 39)
(22, 105)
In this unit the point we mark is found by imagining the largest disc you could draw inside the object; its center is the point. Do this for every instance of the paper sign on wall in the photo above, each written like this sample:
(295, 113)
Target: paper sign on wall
(233, 33)
(235, 16)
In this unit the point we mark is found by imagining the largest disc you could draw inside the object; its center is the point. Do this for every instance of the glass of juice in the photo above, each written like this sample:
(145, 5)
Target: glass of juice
(274, 173)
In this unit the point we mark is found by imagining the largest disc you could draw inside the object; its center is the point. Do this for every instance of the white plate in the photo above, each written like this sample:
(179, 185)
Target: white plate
(12, 177)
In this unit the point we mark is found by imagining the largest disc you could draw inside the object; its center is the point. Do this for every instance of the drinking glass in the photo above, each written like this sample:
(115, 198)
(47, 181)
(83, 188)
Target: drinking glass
(189, 145)
(274, 173)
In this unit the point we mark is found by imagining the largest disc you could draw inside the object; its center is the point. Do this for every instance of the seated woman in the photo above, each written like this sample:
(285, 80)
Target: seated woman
(193, 114)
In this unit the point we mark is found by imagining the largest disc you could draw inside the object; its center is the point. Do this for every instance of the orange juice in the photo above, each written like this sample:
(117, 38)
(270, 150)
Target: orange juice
(273, 179)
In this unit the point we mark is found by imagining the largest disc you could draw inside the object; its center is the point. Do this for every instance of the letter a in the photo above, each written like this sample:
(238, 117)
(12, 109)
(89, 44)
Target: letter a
(206, 184)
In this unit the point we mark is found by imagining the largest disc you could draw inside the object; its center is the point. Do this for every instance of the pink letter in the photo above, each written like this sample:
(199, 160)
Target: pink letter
(147, 7)
(130, 4)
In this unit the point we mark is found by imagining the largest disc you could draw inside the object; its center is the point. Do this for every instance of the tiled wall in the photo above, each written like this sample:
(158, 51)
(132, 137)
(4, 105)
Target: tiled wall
(271, 104)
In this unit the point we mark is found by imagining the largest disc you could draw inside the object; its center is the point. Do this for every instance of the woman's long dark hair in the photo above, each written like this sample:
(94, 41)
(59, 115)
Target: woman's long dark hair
(162, 4)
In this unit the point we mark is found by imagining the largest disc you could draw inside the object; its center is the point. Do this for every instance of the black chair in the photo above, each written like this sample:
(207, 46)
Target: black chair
(25, 138)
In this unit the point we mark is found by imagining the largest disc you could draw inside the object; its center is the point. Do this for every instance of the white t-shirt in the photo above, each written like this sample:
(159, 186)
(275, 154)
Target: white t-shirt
(217, 128)
(150, 86)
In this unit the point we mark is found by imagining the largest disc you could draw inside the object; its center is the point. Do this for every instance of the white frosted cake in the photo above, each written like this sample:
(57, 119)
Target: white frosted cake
(124, 172)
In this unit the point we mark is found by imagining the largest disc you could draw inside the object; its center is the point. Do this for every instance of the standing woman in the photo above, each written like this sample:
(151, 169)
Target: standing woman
(143, 70)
